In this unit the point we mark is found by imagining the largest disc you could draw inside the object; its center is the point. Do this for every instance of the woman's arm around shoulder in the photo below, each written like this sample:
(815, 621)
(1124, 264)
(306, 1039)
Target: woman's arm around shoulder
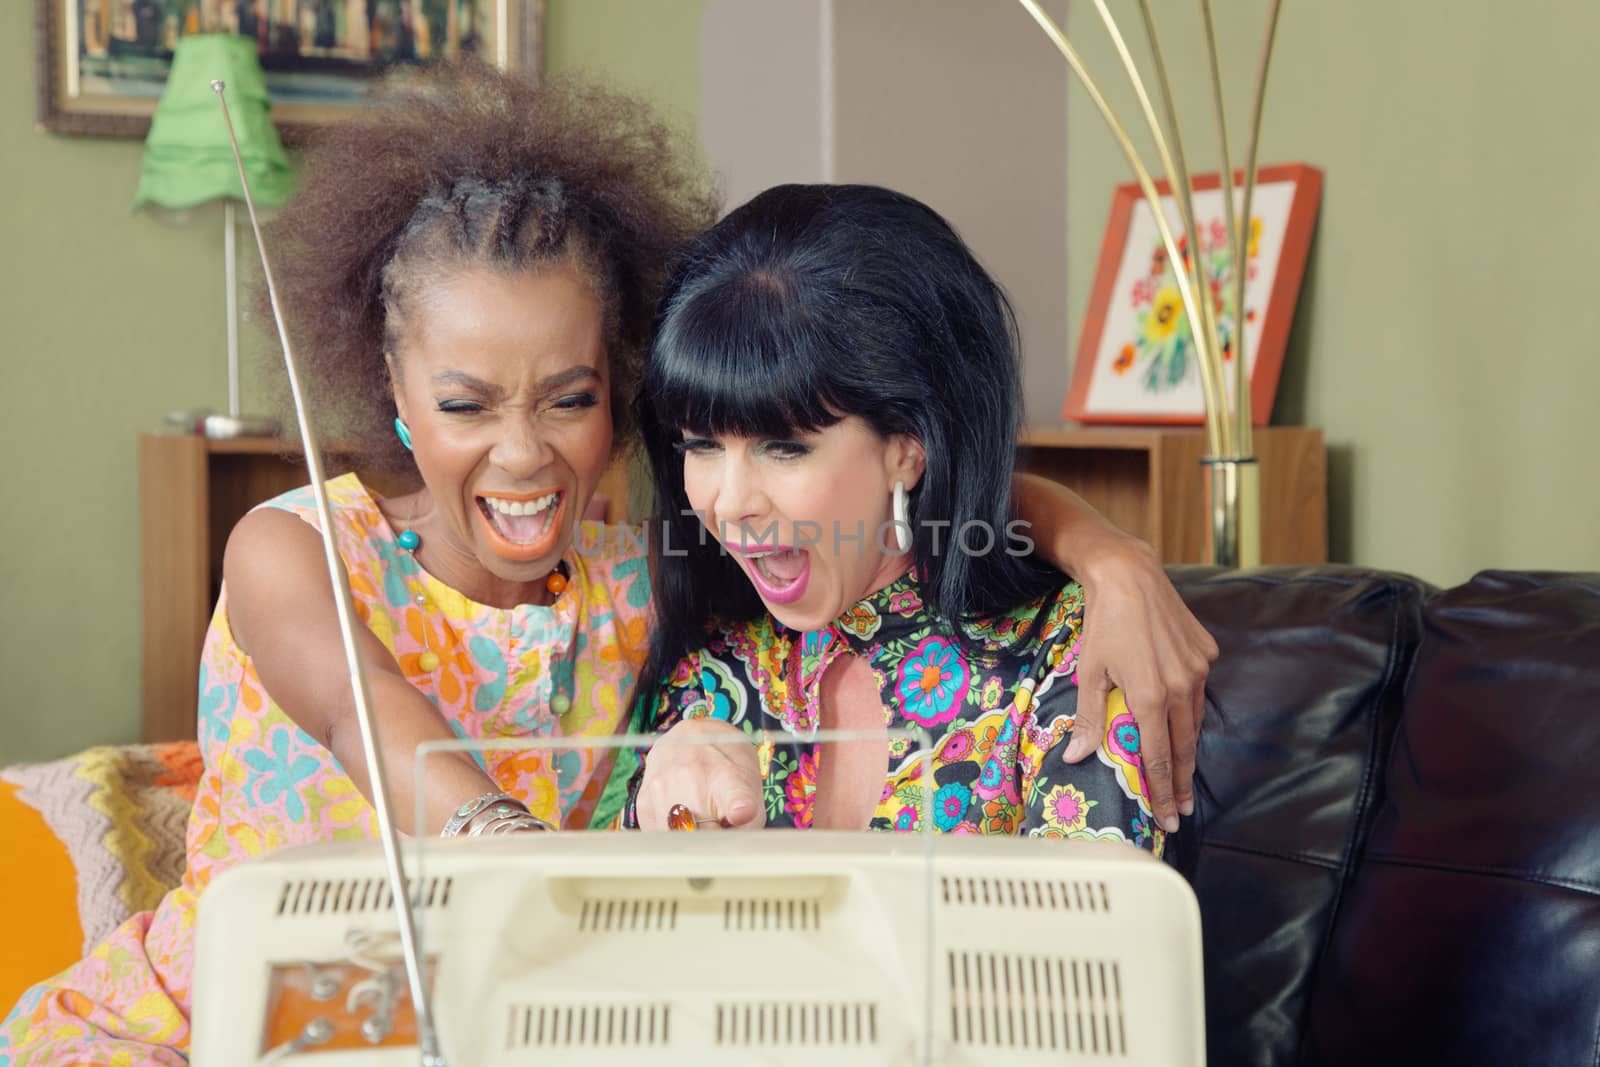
(1138, 636)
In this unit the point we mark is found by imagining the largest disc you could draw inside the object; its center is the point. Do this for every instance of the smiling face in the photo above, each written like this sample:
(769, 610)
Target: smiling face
(503, 382)
(810, 495)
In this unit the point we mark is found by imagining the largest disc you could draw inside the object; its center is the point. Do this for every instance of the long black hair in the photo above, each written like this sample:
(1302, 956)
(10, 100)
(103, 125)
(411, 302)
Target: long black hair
(808, 304)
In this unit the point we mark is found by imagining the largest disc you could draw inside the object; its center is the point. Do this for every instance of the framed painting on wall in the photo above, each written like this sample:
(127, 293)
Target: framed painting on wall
(1136, 357)
(102, 64)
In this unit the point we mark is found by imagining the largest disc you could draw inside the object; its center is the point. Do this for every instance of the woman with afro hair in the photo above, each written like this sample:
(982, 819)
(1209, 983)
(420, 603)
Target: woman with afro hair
(470, 277)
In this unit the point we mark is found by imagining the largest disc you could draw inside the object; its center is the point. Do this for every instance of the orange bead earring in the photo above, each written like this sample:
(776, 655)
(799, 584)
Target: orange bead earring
(556, 581)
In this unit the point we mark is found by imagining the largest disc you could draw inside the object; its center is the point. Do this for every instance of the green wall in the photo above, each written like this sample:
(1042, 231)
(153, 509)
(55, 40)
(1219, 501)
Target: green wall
(107, 321)
(1445, 341)
(1448, 333)
(651, 47)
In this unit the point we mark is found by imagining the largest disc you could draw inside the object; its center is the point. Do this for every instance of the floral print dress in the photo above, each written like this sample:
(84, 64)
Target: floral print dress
(491, 672)
(994, 763)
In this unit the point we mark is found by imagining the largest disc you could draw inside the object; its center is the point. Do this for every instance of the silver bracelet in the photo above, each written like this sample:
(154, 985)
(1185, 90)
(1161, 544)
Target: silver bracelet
(468, 811)
(514, 822)
(507, 809)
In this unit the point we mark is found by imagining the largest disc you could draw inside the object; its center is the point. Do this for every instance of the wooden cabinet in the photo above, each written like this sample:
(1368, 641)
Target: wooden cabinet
(1148, 480)
(191, 492)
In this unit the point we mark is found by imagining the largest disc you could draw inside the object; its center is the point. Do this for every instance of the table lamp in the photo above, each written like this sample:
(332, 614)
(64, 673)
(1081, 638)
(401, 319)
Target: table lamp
(188, 161)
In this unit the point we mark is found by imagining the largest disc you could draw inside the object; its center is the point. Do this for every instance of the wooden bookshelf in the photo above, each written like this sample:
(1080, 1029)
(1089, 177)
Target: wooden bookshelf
(1148, 480)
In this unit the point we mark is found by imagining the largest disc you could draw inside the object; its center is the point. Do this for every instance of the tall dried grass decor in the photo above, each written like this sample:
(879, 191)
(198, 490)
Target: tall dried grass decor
(1234, 477)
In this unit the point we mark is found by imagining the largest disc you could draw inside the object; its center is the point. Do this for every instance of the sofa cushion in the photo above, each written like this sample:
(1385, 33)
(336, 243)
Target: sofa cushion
(39, 899)
(1301, 708)
(1471, 934)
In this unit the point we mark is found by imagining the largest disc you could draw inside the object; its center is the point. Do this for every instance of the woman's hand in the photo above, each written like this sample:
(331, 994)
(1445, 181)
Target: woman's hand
(721, 782)
(1140, 637)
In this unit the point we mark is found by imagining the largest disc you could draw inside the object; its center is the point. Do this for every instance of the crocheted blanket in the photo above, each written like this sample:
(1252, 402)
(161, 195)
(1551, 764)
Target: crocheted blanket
(121, 811)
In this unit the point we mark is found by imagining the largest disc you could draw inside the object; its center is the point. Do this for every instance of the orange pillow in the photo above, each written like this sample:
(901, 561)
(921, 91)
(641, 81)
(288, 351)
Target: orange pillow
(40, 898)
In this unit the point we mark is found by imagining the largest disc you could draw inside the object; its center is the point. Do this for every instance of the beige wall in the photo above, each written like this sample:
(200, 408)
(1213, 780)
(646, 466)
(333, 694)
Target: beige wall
(107, 321)
(924, 96)
(946, 101)
(1448, 333)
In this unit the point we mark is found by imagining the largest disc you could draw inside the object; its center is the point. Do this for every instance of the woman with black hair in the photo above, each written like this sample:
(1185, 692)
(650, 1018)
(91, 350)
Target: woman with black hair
(832, 393)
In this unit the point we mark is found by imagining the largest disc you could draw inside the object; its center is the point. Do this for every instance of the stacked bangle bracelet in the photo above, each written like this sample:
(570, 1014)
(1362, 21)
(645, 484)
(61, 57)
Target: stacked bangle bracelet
(492, 813)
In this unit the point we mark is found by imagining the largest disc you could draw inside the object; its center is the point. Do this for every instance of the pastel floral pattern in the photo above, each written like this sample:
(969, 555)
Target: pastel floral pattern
(988, 766)
(278, 773)
(267, 784)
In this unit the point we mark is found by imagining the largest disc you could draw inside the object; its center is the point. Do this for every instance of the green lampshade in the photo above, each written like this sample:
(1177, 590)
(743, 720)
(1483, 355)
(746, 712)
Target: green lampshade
(187, 157)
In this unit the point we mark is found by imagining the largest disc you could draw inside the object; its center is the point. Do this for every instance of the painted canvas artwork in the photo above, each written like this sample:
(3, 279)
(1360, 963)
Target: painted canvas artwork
(105, 61)
(1136, 359)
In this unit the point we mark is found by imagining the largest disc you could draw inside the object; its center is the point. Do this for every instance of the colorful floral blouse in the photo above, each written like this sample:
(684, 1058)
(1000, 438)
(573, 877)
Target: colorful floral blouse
(994, 763)
(491, 672)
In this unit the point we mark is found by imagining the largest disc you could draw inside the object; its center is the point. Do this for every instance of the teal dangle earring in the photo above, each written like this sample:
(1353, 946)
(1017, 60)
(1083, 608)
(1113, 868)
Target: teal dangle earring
(408, 540)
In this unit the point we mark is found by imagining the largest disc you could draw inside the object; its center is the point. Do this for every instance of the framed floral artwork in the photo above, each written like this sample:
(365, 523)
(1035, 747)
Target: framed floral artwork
(102, 64)
(1136, 356)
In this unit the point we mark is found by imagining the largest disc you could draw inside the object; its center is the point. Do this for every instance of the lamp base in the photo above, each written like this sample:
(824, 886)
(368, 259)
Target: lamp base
(219, 427)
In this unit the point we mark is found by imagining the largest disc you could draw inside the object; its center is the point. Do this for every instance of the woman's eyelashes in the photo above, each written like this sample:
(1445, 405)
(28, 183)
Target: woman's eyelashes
(774, 449)
(694, 446)
(784, 449)
(565, 403)
(575, 402)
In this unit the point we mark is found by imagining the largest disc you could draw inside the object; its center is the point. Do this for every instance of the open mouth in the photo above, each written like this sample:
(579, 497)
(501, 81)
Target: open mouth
(781, 566)
(523, 527)
(780, 574)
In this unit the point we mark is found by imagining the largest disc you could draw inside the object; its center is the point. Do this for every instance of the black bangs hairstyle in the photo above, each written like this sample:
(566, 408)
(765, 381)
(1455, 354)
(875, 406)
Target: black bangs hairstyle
(808, 304)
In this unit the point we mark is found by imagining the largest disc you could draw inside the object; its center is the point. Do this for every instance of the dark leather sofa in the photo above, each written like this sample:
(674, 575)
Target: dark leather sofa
(1396, 842)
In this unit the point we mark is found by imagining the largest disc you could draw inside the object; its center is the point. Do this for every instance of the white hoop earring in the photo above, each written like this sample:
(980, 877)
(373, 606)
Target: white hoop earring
(902, 519)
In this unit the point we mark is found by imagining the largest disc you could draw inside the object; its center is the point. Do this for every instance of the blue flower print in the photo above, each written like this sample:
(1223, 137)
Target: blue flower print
(635, 573)
(568, 765)
(932, 681)
(950, 806)
(397, 566)
(992, 774)
(725, 697)
(1008, 731)
(277, 776)
(216, 704)
(486, 654)
(815, 641)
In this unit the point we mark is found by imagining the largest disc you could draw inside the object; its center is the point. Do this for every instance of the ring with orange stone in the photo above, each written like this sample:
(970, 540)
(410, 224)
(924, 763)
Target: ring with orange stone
(682, 820)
